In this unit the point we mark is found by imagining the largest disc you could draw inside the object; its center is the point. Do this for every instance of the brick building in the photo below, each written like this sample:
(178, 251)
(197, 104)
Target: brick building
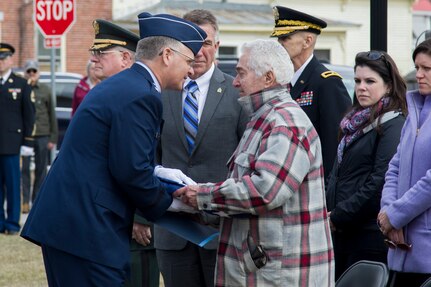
(18, 29)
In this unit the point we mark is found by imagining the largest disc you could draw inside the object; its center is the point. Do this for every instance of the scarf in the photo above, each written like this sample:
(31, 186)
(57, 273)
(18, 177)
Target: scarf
(353, 123)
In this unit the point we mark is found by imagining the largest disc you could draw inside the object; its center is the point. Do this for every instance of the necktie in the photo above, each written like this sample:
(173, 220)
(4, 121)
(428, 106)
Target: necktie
(191, 114)
(1, 81)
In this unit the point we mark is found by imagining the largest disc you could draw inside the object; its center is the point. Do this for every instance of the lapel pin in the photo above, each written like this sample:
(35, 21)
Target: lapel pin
(302, 81)
(219, 90)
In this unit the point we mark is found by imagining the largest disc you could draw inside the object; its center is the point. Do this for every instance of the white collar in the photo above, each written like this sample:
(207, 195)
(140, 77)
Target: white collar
(298, 73)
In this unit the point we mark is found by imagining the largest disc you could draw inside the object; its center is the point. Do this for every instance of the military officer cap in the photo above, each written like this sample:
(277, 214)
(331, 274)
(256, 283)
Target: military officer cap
(108, 35)
(174, 27)
(288, 21)
(6, 50)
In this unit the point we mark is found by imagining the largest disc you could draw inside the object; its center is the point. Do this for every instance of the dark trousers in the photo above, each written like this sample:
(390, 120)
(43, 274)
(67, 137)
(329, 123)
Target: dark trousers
(401, 279)
(66, 270)
(9, 186)
(192, 266)
(350, 248)
(41, 153)
(144, 271)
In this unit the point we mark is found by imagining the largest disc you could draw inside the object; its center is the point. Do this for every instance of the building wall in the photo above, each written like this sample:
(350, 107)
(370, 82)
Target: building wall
(18, 29)
(344, 46)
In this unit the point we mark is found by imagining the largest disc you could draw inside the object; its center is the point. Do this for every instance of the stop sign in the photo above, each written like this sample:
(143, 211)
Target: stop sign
(54, 17)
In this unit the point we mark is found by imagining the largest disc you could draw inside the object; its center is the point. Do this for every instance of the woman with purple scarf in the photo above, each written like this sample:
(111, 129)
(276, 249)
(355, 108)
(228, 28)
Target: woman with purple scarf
(369, 133)
(405, 216)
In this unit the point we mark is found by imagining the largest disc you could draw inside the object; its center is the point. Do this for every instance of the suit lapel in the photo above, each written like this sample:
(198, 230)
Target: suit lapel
(215, 93)
(176, 108)
(303, 79)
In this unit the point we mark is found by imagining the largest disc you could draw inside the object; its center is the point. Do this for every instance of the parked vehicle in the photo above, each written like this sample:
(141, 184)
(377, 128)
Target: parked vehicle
(65, 84)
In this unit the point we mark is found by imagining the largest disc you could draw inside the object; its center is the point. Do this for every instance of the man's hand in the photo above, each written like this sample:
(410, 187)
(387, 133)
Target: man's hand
(26, 151)
(188, 195)
(50, 145)
(141, 233)
(173, 174)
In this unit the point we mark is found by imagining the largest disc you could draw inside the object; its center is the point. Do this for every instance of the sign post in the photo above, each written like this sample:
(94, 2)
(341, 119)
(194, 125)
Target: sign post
(54, 18)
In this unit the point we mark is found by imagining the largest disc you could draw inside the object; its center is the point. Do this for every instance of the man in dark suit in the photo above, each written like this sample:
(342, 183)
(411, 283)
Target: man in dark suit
(221, 123)
(16, 125)
(83, 215)
(320, 92)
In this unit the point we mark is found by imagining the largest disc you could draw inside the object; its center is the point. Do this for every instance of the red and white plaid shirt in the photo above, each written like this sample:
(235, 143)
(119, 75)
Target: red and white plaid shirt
(276, 178)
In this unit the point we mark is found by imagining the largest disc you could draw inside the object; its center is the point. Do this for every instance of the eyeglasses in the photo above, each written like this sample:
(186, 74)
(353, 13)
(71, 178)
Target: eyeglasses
(393, 245)
(190, 61)
(100, 53)
(372, 55)
(30, 71)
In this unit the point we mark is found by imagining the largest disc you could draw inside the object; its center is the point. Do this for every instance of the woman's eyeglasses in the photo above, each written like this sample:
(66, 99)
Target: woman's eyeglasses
(372, 55)
(389, 243)
(393, 245)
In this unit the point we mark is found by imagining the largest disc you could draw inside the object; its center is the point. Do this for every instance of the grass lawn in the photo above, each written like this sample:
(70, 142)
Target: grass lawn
(21, 263)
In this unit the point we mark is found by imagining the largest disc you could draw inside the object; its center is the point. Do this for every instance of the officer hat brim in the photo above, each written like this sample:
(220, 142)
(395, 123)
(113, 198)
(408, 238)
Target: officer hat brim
(6, 50)
(288, 21)
(108, 35)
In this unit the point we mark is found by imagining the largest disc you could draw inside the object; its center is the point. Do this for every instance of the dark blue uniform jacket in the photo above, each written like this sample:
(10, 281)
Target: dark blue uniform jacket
(103, 171)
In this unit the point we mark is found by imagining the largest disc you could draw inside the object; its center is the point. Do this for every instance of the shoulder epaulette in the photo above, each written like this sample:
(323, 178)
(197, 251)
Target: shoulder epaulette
(328, 74)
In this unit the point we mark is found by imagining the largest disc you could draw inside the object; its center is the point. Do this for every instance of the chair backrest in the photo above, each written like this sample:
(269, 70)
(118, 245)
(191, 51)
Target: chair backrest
(427, 283)
(364, 273)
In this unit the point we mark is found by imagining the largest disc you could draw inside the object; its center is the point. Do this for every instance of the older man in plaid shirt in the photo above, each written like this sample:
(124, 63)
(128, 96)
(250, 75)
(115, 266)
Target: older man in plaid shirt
(276, 231)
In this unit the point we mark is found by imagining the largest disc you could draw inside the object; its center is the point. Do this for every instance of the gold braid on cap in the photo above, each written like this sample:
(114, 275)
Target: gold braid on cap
(110, 41)
(105, 43)
(5, 50)
(289, 26)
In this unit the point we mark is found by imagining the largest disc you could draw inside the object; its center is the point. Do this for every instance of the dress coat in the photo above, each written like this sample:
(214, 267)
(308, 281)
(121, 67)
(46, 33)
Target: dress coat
(17, 115)
(221, 126)
(354, 191)
(325, 100)
(103, 171)
(406, 196)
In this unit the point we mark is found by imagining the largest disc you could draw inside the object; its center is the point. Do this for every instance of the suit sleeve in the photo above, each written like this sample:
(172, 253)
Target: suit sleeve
(334, 103)
(132, 142)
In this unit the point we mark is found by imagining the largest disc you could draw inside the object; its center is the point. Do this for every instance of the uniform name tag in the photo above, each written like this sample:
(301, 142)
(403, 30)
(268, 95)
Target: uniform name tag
(306, 99)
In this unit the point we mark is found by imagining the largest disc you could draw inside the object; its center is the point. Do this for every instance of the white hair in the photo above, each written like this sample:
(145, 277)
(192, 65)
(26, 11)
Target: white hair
(269, 55)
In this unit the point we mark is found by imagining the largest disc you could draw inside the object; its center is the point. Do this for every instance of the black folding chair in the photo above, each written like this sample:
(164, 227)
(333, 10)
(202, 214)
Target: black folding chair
(364, 273)
(427, 283)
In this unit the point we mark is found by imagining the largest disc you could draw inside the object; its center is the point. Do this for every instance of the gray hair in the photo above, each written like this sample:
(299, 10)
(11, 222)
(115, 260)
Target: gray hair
(120, 48)
(203, 17)
(149, 48)
(269, 55)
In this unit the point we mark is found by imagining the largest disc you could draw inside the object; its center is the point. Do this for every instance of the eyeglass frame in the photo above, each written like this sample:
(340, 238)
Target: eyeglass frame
(100, 53)
(374, 55)
(189, 60)
(389, 243)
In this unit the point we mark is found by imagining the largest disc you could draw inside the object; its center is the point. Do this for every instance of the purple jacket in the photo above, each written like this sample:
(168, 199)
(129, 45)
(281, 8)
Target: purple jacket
(406, 195)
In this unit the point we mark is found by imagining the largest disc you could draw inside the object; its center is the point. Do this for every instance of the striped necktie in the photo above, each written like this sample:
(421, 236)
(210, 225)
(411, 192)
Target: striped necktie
(191, 114)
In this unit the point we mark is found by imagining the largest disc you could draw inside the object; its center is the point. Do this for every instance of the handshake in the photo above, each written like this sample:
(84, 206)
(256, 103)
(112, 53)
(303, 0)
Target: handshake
(185, 195)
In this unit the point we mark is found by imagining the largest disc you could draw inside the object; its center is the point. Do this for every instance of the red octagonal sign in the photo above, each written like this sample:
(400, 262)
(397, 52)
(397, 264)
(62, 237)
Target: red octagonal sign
(54, 17)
